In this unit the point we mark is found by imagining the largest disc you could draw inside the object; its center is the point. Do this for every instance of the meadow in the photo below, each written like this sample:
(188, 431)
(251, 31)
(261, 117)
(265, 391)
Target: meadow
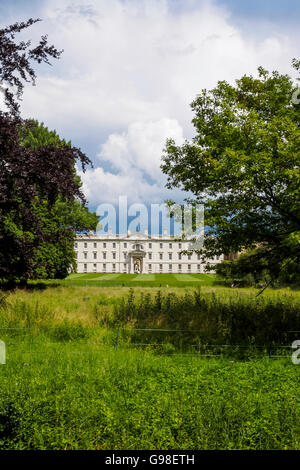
(83, 371)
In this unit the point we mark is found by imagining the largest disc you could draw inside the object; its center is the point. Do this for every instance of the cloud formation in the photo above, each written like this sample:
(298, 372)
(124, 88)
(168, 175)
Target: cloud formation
(128, 74)
(134, 157)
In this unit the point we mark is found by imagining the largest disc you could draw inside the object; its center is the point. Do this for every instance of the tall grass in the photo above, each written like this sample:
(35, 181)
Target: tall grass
(211, 316)
(66, 397)
(79, 394)
(232, 320)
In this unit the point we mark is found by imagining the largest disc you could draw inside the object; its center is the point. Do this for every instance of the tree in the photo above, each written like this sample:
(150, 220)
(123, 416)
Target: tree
(243, 165)
(55, 255)
(16, 58)
(245, 271)
(253, 268)
(35, 180)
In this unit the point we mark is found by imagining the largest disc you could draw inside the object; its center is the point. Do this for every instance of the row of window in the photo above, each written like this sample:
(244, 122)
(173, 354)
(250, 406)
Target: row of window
(161, 256)
(189, 267)
(136, 246)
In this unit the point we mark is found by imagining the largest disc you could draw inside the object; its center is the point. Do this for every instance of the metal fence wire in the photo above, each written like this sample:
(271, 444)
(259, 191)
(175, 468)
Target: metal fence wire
(202, 347)
(123, 338)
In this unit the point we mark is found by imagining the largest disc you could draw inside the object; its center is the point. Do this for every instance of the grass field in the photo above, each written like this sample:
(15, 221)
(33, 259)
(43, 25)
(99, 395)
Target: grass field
(135, 280)
(81, 396)
(66, 385)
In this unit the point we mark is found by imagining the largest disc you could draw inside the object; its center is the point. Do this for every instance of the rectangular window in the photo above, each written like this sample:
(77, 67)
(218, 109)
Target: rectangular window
(160, 245)
(124, 265)
(114, 266)
(104, 267)
(150, 267)
(85, 267)
(95, 255)
(104, 245)
(114, 255)
(198, 256)
(170, 246)
(114, 245)
(95, 245)
(179, 267)
(76, 245)
(189, 257)
(150, 245)
(198, 267)
(179, 246)
(85, 255)
(179, 255)
(189, 267)
(124, 254)
(85, 245)
(170, 255)
(150, 255)
(104, 255)
(125, 245)
(160, 267)
(170, 267)
(160, 256)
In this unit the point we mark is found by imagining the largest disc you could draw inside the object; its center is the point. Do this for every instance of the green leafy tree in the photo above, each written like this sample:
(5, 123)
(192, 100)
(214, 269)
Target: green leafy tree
(243, 165)
(54, 256)
(254, 268)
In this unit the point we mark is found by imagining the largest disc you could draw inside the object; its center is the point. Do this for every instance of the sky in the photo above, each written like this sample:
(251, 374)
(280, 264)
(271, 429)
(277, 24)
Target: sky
(130, 70)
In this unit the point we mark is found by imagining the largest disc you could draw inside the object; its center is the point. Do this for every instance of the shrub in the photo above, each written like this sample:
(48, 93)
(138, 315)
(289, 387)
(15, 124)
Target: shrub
(206, 318)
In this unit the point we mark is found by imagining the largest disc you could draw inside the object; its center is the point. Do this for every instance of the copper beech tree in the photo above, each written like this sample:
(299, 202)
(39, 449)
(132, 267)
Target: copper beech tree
(31, 176)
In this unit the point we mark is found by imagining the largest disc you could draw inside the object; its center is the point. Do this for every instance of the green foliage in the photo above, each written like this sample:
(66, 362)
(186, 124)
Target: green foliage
(65, 387)
(68, 331)
(253, 268)
(34, 136)
(244, 165)
(210, 319)
(54, 255)
(65, 397)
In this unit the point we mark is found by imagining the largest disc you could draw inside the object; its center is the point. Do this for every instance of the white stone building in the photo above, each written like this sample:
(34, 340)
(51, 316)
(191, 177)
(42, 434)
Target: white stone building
(138, 253)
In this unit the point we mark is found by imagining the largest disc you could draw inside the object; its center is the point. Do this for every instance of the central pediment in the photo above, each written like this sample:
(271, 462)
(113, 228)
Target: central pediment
(138, 235)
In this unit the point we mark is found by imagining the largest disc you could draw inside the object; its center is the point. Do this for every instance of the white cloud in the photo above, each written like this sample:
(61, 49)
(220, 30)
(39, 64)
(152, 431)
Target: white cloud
(135, 158)
(141, 146)
(128, 61)
(130, 70)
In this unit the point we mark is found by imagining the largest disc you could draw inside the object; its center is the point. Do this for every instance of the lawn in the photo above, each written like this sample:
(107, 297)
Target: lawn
(134, 280)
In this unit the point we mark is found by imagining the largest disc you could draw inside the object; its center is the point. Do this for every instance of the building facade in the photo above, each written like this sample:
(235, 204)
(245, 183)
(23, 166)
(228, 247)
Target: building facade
(136, 253)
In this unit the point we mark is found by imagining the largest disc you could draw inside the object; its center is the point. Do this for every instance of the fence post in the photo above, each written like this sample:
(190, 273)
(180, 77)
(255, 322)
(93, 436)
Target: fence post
(117, 338)
(2, 353)
(270, 352)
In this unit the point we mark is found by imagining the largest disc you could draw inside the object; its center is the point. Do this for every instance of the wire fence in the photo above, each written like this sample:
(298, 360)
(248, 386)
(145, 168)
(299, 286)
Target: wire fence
(127, 338)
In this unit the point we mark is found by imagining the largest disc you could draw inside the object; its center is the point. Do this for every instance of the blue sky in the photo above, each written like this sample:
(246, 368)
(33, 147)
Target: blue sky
(271, 9)
(130, 69)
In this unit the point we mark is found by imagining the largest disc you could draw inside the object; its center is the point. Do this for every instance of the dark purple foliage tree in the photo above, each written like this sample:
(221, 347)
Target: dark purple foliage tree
(28, 175)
